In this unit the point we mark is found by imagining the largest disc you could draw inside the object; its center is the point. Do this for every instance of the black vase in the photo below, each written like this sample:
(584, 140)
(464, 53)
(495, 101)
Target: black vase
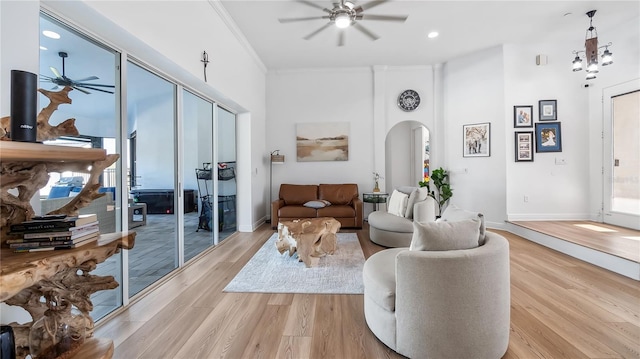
(7, 343)
(24, 97)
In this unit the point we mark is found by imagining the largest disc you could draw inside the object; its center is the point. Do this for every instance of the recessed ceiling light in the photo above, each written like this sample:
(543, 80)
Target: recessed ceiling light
(51, 34)
(433, 34)
(43, 48)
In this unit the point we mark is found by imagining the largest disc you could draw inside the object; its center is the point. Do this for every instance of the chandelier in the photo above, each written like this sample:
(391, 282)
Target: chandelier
(592, 51)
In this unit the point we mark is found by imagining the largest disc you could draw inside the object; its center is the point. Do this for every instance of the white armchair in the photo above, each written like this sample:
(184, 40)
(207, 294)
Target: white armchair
(441, 304)
(393, 230)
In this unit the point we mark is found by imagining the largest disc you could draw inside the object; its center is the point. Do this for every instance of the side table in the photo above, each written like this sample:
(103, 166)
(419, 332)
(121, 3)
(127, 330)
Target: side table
(375, 198)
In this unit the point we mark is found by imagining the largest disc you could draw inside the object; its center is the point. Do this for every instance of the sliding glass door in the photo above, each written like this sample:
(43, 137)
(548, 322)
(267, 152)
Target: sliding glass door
(152, 207)
(227, 173)
(198, 172)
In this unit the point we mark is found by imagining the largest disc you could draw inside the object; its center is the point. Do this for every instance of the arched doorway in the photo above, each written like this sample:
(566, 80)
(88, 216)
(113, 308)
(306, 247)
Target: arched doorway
(406, 155)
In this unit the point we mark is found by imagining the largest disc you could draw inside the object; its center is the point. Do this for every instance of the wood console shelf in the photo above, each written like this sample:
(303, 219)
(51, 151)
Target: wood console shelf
(61, 277)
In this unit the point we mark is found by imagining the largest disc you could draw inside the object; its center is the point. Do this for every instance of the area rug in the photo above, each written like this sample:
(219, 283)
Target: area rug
(268, 271)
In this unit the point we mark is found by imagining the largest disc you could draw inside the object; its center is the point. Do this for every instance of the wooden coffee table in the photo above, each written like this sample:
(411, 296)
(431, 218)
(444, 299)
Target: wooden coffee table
(311, 238)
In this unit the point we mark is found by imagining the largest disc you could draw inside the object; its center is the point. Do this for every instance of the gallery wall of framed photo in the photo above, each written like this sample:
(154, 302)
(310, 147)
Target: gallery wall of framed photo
(545, 134)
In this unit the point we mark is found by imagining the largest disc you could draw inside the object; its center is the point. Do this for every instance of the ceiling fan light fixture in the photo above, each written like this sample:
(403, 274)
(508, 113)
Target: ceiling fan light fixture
(342, 21)
(349, 4)
(433, 34)
(51, 34)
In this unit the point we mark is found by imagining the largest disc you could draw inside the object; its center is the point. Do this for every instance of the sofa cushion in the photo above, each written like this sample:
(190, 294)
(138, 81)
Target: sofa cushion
(296, 211)
(296, 194)
(453, 213)
(417, 195)
(445, 236)
(379, 278)
(338, 211)
(397, 203)
(338, 194)
(321, 203)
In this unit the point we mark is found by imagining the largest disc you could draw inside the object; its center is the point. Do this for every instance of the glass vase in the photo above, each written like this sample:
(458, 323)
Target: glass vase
(58, 334)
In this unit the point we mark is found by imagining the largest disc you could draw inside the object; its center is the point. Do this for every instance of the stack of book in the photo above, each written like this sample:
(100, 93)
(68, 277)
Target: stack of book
(53, 232)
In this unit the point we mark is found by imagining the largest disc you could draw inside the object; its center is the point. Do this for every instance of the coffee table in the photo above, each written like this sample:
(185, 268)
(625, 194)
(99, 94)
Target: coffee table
(311, 238)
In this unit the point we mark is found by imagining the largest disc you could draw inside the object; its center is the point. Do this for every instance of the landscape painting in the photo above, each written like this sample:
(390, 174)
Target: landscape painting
(328, 141)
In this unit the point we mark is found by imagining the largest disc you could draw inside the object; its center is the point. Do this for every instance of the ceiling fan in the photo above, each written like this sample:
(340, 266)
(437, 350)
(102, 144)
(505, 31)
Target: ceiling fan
(80, 85)
(346, 14)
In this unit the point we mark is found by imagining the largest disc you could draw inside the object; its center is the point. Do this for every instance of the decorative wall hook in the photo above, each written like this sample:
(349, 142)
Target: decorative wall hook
(205, 61)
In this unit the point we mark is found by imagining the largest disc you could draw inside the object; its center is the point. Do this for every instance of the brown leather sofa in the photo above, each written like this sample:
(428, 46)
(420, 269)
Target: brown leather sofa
(346, 205)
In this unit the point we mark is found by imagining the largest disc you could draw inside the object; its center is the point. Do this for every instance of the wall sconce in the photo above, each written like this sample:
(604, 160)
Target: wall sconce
(275, 159)
(592, 51)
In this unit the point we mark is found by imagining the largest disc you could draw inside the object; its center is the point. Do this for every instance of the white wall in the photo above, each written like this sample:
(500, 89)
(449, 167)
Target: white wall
(320, 96)
(553, 191)
(474, 93)
(573, 190)
(366, 98)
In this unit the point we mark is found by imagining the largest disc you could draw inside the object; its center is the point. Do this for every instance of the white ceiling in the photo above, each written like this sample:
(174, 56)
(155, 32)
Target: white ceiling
(464, 27)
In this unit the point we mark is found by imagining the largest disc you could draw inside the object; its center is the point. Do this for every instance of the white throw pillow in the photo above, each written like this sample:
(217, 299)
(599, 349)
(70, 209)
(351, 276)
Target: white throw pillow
(397, 203)
(417, 195)
(452, 213)
(445, 236)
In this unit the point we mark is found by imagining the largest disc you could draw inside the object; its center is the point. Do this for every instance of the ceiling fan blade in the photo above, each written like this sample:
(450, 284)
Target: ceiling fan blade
(45, 78)
(365, 31)
(399, 18)
(314, 5)
(87, 79)
(341, 38)
(91, 88)
(317, 31)
(294, 19)
(369, 5)
(81, 90)
(55, 71)
(96, 85)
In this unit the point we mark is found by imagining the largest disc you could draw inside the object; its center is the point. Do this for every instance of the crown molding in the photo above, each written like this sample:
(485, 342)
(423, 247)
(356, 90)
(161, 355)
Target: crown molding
(217, 6)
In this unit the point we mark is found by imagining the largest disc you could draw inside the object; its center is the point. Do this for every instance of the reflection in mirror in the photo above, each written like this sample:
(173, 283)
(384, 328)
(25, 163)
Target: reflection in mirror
(406, 155)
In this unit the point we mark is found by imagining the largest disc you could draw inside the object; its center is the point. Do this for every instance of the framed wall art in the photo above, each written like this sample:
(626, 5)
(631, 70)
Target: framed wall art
(524, 146)
(327, 141)
(548, 137)
(547, 110)
(476, 140)
(522, 116)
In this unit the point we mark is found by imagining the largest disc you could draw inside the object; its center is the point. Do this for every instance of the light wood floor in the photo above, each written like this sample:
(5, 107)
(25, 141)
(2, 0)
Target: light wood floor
(561, 307)
(614, 240)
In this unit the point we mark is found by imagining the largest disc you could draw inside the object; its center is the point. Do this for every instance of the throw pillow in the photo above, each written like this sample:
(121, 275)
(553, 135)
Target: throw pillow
(398, 203)
(453, 213)
(445, 236)
(321, 203)
(417, 195)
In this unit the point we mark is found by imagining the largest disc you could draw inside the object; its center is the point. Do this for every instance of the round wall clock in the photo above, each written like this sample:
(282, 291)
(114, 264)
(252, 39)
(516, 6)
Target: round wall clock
(408, 100)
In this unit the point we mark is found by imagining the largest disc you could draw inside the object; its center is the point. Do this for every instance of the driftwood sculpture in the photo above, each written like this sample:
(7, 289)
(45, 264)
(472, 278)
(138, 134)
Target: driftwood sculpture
(28, 177)
(45, 130)
(310, 238)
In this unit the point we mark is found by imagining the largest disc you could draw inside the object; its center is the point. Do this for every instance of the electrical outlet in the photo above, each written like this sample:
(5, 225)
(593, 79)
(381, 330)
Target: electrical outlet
(526, 199)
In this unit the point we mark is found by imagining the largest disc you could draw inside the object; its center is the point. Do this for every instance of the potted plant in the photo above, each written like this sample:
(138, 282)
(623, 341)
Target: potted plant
(442, 191)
